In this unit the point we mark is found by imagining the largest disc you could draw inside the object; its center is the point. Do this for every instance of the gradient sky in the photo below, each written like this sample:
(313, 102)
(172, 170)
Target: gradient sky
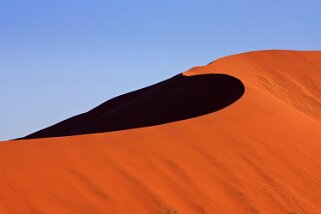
(59, 58)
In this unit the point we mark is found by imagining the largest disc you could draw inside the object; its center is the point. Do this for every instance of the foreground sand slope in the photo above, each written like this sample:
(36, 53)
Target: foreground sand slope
(261, 154)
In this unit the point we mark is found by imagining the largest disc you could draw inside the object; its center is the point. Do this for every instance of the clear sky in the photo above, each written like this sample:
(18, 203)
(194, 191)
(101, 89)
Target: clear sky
(59, 58)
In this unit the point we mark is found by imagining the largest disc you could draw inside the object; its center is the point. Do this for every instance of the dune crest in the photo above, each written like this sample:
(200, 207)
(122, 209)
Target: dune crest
(291, 76)
(178, 98)
(262, 154)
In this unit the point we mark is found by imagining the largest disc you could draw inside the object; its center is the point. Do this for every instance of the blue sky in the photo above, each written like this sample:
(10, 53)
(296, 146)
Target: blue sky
(59, 58)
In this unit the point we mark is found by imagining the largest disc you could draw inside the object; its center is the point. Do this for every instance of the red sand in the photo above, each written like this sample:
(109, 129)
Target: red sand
(261, 154)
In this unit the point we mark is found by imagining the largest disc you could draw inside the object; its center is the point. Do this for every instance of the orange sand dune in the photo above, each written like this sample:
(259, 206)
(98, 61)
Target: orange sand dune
(261, 154)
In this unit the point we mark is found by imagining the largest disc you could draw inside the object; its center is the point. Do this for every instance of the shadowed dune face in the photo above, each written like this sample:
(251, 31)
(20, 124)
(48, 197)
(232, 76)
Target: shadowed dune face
(178, 98)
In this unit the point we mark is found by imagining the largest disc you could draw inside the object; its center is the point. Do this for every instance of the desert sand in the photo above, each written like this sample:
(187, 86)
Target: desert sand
(258, 153)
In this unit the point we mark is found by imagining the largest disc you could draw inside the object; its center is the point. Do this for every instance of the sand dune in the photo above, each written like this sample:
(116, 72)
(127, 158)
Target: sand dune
(260, 154)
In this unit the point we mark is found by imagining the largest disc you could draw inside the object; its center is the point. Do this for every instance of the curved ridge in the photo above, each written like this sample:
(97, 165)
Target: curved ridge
(178, 98)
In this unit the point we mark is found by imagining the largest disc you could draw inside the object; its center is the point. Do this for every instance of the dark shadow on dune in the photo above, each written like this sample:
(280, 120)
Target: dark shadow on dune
(178, 98)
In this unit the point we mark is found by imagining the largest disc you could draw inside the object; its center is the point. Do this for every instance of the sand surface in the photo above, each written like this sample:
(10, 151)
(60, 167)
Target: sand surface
(261, 154)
